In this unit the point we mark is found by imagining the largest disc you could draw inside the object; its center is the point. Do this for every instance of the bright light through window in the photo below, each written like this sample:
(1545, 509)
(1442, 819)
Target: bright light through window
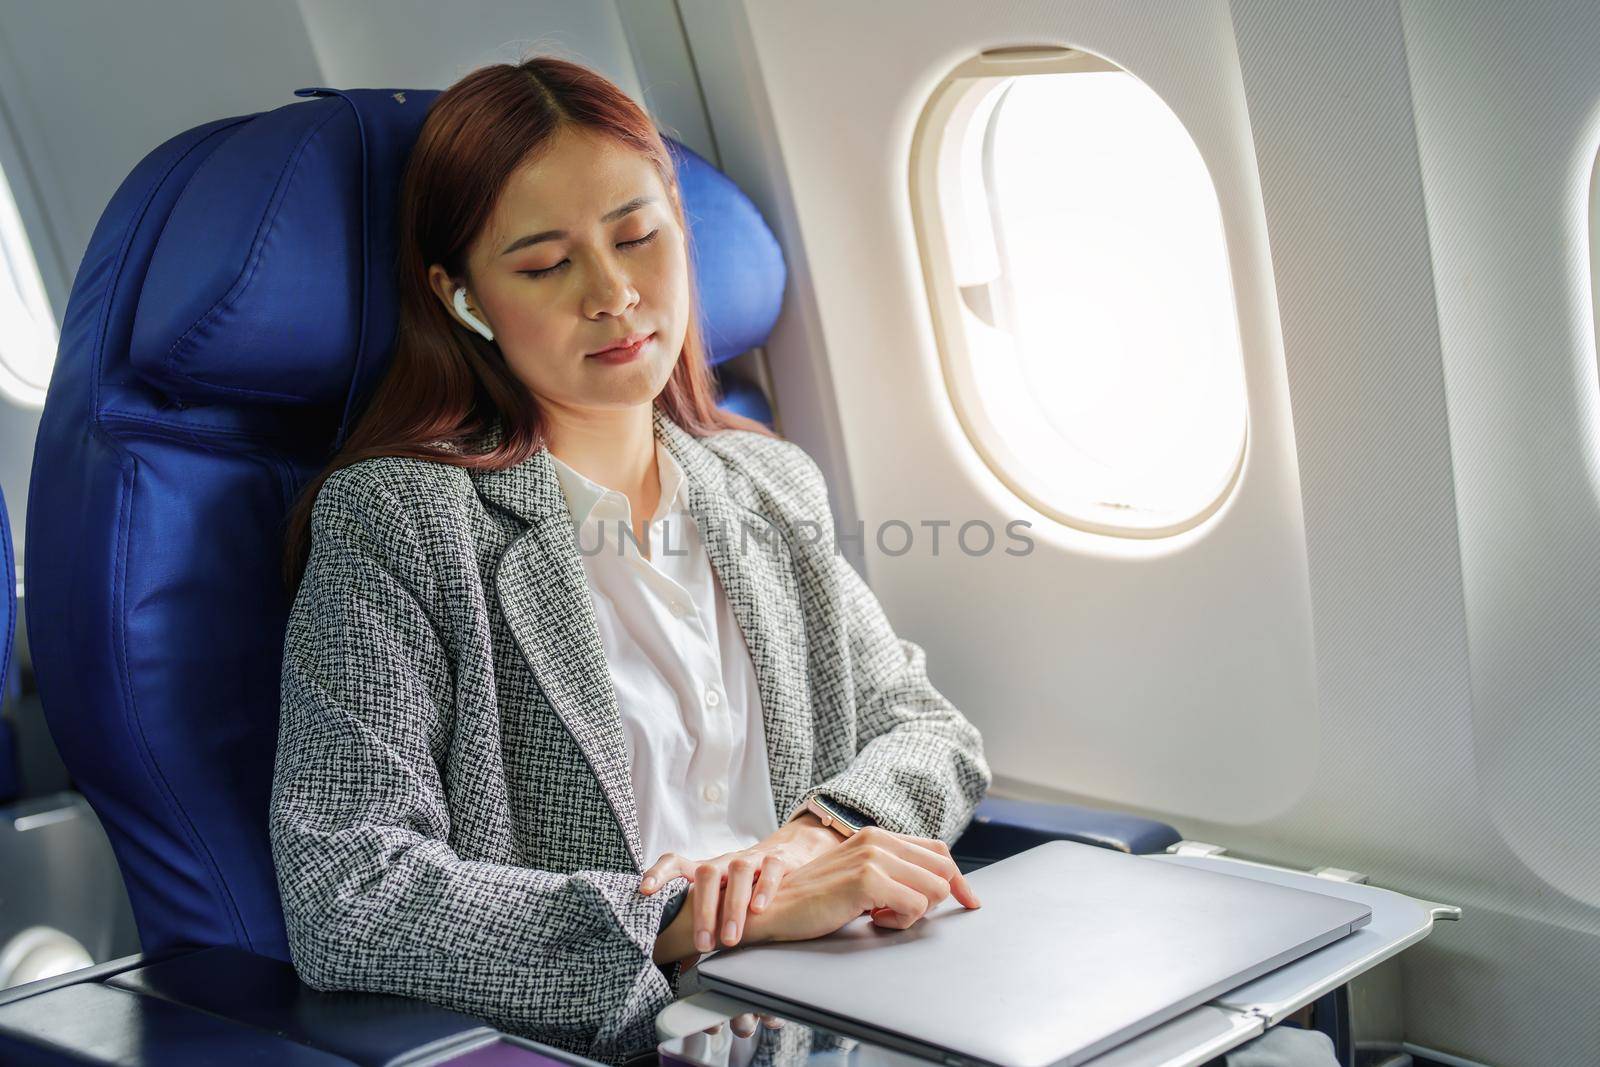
(1097, 318)
(27, 327)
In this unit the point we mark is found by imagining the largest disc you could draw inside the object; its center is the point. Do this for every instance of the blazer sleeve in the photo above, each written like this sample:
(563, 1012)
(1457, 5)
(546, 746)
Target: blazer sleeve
(919, 767)
(374, 896)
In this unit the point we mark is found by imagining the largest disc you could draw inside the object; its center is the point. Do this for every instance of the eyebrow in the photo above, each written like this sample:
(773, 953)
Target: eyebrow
(552, 235)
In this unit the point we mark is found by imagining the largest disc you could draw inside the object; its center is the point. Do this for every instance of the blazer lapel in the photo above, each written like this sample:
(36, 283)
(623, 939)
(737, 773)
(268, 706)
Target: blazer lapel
(541, 588)
(543, 592)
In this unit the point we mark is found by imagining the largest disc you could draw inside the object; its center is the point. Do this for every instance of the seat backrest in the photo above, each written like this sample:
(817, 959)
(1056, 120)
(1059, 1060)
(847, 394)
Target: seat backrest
(233, 309)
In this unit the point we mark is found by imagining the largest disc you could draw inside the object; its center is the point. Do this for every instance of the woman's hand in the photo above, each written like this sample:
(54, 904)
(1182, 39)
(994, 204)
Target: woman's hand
(794, 844)
(894, 876)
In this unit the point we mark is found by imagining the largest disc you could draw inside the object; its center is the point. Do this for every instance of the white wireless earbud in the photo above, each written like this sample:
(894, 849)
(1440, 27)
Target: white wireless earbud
(472, 320)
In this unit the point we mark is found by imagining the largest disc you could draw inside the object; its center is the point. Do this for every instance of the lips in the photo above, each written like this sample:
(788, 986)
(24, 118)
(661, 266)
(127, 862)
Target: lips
(630, 341)
(628, 350)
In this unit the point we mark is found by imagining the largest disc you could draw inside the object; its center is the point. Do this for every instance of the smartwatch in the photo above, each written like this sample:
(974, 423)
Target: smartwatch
(842, 817)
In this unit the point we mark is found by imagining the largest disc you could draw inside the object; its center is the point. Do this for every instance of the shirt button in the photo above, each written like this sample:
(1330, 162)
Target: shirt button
(713, 698)
(712, 793)
(679, 608)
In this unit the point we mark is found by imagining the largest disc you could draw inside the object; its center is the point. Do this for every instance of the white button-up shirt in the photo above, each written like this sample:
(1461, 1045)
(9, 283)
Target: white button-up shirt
(686, 689)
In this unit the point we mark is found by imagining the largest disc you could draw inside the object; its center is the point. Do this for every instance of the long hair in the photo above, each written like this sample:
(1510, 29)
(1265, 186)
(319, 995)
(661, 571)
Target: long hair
(446, 384)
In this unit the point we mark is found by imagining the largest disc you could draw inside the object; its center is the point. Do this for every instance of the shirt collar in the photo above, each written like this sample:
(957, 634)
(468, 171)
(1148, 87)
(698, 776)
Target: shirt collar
(589, 500)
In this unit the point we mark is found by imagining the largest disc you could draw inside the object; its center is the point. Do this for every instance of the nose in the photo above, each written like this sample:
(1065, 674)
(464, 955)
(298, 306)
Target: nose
(611, 291)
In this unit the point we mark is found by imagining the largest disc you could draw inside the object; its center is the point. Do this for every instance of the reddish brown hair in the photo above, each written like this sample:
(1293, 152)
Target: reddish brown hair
(445, 383)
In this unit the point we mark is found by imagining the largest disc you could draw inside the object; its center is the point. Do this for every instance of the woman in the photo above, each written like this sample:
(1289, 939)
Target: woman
(565, 646)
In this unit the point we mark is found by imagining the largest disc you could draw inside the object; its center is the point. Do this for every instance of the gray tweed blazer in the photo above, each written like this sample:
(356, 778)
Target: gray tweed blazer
(452, 815)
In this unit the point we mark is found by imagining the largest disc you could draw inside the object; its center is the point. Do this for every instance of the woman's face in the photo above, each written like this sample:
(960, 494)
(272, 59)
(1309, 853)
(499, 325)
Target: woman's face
(585, 281)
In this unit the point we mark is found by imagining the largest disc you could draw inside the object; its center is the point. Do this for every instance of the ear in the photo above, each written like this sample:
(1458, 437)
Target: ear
(444, 287)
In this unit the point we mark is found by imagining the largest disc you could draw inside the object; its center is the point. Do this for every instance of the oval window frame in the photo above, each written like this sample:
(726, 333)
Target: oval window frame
(941, 134)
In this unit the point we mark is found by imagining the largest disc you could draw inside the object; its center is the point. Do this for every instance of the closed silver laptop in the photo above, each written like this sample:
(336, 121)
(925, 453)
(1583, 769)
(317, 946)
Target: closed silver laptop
(1075, 950)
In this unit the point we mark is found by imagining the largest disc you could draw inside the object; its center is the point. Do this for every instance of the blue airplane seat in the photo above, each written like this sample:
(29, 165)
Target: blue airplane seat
(745, 398)
(233, 310)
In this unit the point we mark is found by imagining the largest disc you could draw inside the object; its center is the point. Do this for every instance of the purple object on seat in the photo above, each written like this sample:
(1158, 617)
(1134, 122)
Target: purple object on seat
(503, 1053)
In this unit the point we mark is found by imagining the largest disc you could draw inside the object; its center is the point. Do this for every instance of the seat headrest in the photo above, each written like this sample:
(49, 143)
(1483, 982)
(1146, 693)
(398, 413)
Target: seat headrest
(271, 281)
(257, 283)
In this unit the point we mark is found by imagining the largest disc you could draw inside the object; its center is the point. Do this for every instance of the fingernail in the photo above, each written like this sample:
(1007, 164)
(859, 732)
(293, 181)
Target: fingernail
(702, 940)
(648, 883)
(727, 932)
(761, 901)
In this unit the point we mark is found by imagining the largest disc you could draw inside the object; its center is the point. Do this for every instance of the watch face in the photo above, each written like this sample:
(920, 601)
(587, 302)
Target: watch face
(844, 813)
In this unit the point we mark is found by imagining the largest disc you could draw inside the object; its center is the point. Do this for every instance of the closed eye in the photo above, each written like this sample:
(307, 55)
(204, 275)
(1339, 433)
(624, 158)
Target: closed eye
(646, 239)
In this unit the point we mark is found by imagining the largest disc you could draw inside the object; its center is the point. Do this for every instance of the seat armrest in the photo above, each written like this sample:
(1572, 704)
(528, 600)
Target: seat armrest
(235, 1004)
(267, 994)
(1002, 827)
(97, 972)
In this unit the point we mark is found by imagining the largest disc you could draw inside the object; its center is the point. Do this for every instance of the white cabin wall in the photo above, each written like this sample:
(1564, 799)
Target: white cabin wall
(414, 43)
(1508, 124)
(87, 89)
(666, 73)
(751, 153)
(1507, 163)
(1330, 102)
(1295, 679)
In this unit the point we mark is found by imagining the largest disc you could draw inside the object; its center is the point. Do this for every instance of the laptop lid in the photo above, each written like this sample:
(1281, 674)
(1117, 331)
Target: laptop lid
(1075, 950)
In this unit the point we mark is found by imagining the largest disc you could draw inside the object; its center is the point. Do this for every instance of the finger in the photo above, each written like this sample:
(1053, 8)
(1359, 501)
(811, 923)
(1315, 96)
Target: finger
(929, 852)
(708, 887)
(736, 897)
(928, 884)
(659, 872)
(744, 1024)
(963, 891)
(893, 902)
(766, 888)
(772, 1022)
(959, 886)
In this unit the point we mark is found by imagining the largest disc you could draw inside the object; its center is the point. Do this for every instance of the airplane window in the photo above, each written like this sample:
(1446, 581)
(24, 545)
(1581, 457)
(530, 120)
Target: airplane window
(27, 325)
(1074, 252)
